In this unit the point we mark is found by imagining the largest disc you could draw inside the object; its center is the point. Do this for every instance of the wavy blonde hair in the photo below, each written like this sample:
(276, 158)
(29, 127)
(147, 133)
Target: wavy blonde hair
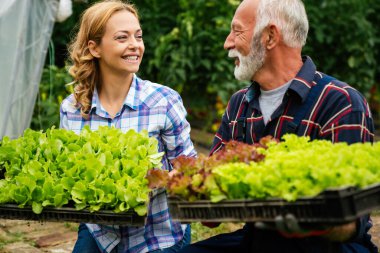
(85, 67)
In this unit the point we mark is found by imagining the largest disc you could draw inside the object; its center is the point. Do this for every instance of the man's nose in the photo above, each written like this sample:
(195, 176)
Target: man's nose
(229, 43)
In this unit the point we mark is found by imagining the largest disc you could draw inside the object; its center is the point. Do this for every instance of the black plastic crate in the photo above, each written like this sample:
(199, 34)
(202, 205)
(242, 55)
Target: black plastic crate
(331, 207)
(13, 212)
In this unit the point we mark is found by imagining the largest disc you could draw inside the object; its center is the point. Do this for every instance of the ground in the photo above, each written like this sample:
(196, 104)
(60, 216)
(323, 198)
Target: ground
(59, 237)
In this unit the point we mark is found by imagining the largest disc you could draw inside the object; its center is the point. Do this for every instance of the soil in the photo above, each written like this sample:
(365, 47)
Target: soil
(59, 237)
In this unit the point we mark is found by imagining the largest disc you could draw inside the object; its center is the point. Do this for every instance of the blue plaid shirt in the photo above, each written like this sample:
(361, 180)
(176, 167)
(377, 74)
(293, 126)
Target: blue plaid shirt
(159, 110)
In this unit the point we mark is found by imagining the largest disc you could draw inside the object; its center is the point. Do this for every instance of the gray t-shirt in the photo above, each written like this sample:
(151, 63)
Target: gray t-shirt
(270, 100)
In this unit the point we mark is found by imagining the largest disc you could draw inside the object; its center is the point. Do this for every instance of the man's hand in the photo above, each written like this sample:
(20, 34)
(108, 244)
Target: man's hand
(342, 233)
(289, 227)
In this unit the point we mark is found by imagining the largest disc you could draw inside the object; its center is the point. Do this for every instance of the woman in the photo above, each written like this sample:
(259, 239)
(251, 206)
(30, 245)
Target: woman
(106, 54)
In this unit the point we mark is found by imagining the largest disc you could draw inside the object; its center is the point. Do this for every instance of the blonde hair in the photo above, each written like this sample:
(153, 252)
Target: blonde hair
(85, 68)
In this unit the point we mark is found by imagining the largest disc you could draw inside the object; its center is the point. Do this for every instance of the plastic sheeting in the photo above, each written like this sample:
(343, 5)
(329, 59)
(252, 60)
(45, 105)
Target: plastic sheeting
(25, 30)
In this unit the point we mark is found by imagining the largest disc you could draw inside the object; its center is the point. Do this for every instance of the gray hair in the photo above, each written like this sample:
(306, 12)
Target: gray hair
(289, 15)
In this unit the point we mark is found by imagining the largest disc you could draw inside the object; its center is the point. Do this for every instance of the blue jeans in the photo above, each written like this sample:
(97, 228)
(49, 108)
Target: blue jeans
(249, 240)
(87, 244)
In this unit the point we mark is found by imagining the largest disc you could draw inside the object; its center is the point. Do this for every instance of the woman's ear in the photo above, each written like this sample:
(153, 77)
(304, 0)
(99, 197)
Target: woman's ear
(93, 48)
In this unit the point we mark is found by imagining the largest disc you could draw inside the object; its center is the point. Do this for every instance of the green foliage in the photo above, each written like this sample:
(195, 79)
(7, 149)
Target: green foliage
(184, 44)
(65, 31)
(190, 56)
(53, 89)
(103, 169)
(344, 40)
(200, 232)
(298, 167)
(184, 48)
(289, 170)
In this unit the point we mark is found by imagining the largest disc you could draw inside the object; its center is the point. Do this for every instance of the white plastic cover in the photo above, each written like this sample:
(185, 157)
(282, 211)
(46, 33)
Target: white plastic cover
(65, 9)
(25, 30)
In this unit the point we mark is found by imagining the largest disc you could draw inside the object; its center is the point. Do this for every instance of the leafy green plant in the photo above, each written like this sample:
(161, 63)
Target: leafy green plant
(290, 169)
(200, 232)
(103, 169)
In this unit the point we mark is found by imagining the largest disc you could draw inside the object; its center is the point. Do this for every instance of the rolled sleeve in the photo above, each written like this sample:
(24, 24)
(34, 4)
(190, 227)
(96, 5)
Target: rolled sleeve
(176, 135)
(63, 121)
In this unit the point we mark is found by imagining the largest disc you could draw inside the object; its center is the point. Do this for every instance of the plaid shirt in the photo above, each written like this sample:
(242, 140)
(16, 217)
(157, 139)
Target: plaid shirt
(339, 114)
(159, 110)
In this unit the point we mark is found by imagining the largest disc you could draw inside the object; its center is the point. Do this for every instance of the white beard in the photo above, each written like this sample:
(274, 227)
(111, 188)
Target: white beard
(250, 64)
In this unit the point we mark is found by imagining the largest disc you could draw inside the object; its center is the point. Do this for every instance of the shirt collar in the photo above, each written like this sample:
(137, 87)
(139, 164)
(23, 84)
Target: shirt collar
(301, 84)
(252, 92)
(96, 106)
(95, 103)
(131, 100)
(303, 81)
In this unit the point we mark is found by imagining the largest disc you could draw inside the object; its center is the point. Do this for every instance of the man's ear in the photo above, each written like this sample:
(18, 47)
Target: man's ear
(272, 37)
(93, 48)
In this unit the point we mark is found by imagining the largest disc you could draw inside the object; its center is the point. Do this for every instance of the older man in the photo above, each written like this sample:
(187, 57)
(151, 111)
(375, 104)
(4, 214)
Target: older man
(287, 95)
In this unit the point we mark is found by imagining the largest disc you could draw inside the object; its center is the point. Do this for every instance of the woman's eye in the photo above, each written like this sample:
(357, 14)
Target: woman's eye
(121, 37)
(139, 37)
